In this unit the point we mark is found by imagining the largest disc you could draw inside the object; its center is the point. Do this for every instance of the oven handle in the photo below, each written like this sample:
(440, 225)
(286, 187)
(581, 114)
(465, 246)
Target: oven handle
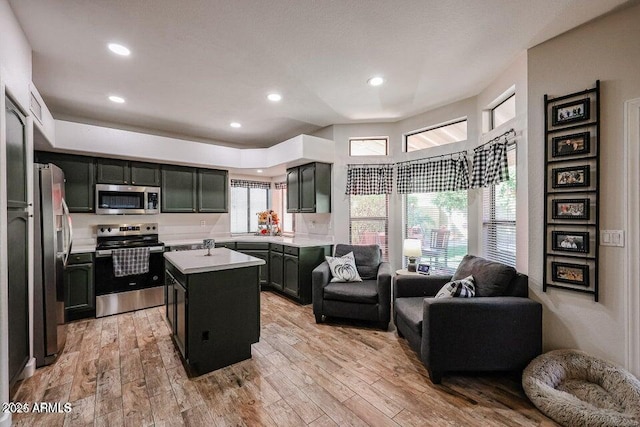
(103, 253)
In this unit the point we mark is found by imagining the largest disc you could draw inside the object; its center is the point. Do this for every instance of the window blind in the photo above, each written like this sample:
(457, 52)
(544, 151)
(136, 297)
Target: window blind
(499, 216)
(369, 221)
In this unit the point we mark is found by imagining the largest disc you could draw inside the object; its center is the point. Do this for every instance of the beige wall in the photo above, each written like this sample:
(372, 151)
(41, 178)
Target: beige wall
(607, 49)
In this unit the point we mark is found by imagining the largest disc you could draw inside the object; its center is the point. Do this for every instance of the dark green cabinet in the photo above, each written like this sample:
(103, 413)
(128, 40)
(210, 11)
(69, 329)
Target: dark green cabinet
(179, 189)
(291, 275)
(79, 287)
(145, 174)
(194, 190)
(215, 316)
(212, 191)
(258, 250)
(309, 188)
(293, 195)
(18, 298)
(79, 177)
(122, 172)
(15, 176)
(16, 157)
(290, 269)
(276, 270)
(112, 171)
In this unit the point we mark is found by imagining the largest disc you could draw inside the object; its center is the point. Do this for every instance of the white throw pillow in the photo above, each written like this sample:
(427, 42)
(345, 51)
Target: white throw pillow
(463, 288)
(343, 269)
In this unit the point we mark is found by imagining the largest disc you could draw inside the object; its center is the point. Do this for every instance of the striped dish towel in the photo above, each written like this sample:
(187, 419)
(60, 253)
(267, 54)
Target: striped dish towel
(130, 261)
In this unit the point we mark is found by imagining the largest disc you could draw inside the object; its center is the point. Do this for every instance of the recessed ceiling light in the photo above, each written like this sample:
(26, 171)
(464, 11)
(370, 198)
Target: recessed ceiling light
(235, 125)
(259, 171)
(116, 99)
(375, 81)
(118, 49)
(274, 97)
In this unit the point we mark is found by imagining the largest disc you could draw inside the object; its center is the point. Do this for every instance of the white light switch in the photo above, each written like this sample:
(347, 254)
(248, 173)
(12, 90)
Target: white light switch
(612, 238)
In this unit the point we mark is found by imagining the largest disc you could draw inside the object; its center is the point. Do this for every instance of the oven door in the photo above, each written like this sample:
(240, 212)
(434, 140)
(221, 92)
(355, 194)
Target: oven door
(107, 283)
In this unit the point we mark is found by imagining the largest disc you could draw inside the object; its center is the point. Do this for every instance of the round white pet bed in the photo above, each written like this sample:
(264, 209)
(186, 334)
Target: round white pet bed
(576, 389)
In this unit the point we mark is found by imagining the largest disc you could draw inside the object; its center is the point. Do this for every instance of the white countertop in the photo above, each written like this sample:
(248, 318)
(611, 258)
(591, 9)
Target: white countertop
(190, 262)
(83, 248)
(300, 242)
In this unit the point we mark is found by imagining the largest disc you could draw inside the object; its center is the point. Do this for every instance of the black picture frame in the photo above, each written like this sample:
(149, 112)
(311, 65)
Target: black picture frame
(570, 209)
(570, 112)
(570, 145)
(574, 274)
(570, 241)
(570, 177)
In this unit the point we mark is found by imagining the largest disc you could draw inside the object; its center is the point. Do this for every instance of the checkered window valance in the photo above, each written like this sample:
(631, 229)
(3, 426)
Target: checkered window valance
(369, 179)
(490, 165)
(433, 176)
(250, 184)
(280, 185)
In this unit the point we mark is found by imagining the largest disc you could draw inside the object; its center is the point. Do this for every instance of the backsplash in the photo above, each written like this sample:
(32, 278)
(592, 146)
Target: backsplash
(171, 226)
(188, 226)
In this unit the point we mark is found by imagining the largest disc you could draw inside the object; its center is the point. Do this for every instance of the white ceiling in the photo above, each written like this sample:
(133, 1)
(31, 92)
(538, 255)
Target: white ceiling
(197, 65)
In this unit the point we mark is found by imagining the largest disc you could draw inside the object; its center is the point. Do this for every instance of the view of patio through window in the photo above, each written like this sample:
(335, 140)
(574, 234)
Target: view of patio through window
(368, 221)
(439, 221)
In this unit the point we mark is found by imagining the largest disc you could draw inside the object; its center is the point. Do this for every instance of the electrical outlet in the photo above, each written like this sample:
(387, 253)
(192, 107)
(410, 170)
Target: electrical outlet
(203, 223)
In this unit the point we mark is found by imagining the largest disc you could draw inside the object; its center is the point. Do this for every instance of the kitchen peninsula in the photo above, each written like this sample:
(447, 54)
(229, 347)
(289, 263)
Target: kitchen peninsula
(212, 306)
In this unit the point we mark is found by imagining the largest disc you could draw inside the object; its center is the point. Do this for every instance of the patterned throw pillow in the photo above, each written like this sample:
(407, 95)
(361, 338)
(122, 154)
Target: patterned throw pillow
(463, 288)
(343, 269)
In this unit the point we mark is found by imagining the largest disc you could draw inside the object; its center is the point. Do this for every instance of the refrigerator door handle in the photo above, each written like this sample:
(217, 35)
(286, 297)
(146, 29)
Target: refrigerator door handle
(69, 230)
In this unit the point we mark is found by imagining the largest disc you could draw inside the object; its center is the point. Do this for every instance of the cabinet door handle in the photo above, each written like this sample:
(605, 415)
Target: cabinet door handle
(125, 182)
(133, 182)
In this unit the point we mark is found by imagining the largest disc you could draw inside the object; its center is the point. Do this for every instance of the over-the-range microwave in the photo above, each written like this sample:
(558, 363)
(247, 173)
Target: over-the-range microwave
(127, 199)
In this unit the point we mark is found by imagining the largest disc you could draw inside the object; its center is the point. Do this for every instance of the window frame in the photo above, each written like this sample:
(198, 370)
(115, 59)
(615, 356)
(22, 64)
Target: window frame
(385, 249)
(370, 138)
(430, 128)
(492, 125)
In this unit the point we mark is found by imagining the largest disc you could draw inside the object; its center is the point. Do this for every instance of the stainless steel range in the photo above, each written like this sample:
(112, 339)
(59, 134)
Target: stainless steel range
(130, 292)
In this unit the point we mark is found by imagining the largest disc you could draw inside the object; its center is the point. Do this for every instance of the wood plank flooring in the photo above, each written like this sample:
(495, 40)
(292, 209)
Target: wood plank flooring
(124, 371)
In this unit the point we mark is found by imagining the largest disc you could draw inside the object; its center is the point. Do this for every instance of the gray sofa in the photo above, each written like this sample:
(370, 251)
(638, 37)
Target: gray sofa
(368, 300)
(500, 329)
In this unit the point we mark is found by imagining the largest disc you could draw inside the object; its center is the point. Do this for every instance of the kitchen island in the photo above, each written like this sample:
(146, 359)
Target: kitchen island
(212, 306)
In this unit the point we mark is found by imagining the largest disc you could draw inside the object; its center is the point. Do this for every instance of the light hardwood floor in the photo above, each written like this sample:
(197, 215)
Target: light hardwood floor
(123, 370)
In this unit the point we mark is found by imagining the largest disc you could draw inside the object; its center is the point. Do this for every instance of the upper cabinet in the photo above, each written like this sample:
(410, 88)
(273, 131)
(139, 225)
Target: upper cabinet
(309, 188)
(212, 190)
(178, 189)
(147, 174)
(194, 190)
(122, 172)
(79, 176)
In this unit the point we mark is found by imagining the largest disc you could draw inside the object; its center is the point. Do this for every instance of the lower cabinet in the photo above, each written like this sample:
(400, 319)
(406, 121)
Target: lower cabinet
(79, 287)
(276, 269)
(214, 316)
(291, 269)
(258, 250)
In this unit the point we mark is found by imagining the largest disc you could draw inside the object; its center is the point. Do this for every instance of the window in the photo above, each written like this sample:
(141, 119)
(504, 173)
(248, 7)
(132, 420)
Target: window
(503, 112)
(499, 216)
(280, 206)
(439, 220)
(368, 146)
(369, 221)
(245, 204)
(436, 136)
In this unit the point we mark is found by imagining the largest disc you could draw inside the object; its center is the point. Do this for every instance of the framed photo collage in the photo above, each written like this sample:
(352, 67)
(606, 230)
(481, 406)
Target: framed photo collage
(572, 179)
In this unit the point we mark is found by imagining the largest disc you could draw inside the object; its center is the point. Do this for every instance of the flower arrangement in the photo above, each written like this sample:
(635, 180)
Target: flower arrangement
(268, 223)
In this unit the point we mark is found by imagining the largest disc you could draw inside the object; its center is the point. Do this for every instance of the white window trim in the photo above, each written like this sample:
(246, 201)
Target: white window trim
(365, 138)
(432, 127)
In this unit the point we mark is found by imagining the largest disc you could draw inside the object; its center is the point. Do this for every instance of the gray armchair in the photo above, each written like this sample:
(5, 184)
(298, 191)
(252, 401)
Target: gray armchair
(367, 300)
(500, 329)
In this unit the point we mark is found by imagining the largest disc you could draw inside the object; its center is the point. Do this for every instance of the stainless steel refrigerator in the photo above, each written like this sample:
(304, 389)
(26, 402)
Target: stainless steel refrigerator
(53, 235)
